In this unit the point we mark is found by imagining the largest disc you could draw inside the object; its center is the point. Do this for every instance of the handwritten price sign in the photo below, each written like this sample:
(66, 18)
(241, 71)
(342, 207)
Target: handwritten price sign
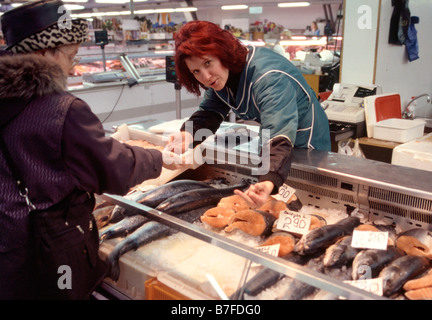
(374, 285)
(293, 222)
(285, 193)
(369, 240)
(271, 250)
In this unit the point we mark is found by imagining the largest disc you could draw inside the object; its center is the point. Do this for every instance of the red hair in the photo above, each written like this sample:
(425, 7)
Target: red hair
(200, 38)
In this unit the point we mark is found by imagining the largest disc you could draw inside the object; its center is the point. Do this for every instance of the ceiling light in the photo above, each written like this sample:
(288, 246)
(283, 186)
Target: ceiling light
(111, 1)
(75, 0)
(235, 7)
(74, 7)
(293, 4)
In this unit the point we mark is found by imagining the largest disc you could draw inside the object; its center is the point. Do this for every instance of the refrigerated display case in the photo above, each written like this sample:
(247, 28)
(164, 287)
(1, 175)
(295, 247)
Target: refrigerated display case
(187, 262)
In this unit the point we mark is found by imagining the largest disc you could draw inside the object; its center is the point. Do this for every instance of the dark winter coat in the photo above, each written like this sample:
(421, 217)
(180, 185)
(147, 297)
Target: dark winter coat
(58, 144)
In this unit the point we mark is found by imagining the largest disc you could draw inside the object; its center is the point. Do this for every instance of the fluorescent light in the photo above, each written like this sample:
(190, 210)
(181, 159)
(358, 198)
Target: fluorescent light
(235, 7)
(111, 1)
(74, 7)
(293, 4)
(127, 12)
(75, 0)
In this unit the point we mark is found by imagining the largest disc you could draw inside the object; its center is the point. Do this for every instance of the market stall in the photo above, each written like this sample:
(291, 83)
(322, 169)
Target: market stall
(193, 262)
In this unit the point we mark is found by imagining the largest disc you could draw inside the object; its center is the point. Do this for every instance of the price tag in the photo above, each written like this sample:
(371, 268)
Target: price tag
(271, 250)
(374, 285)
(285, 193)
(293, 222)
(369, 240)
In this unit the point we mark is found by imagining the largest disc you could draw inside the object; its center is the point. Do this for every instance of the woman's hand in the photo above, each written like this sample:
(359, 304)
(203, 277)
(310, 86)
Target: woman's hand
(257, 194)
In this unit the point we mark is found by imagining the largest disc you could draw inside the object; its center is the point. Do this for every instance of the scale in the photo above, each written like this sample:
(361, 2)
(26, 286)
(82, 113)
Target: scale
(345, 106)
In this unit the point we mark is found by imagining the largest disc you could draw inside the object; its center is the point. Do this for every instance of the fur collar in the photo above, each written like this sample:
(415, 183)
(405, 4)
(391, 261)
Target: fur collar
(27, 76)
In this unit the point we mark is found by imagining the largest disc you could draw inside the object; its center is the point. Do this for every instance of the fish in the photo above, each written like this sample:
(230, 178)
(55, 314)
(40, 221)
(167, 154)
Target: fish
(399, 271)
(123, 228)
(119, 212)
(295, 204)
(266, 277)
(418, 283)
(285, 239)
(323, 237)
(153, 198)
(420, 294)
(416, 242)
(253, 222)
(340, 253)
(103, 215)
(368, 263)
(233, 202)
(298, 289)
(198, 198)
(273, 207)
(217, 217)
(148, 232)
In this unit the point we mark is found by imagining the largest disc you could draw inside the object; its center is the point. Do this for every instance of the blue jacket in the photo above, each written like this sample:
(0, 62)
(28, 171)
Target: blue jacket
(273, 92)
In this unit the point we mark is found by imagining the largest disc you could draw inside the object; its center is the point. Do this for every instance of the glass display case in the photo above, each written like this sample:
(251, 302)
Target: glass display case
(123, 61)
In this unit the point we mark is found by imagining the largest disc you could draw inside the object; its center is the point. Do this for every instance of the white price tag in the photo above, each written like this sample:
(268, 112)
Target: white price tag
(369, 240)
(374, 285)
(285, 193)
(294, 222)
(271, 250)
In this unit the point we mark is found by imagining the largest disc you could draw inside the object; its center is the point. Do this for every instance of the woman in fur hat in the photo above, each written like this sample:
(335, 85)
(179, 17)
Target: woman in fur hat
(55, 146)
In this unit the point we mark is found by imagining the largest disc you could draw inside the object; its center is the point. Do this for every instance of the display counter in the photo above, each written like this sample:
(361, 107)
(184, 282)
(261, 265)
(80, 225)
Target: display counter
(194, 261)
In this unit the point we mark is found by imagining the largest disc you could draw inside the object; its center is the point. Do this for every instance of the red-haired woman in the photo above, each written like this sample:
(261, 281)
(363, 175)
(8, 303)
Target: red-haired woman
(256, 84)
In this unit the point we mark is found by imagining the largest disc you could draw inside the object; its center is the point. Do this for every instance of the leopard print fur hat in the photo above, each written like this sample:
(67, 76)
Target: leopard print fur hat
(41, 25)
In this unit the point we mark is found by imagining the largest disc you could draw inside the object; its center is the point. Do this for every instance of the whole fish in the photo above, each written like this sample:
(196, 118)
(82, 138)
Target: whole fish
(145, 234)
(103, 215)
(123, 228)
(266, 278)
(400, 271)
(341, 253)
(154, 197)
(368, 263)
(198, 198)
(323, 237)
(119, 212)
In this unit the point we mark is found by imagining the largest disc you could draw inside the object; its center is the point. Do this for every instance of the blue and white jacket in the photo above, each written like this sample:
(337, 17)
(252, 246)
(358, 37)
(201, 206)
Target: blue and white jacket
(272, 92)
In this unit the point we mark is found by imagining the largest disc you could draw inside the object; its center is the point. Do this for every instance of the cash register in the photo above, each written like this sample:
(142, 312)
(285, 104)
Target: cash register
(345, 110)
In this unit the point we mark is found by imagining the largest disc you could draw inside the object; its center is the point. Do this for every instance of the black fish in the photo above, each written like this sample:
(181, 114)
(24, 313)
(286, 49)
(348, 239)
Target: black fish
(124, 227)
(267, 277)
(145, 234)
(400, 271)
(322, 237)
(198, 198)
(340, 253)
(154, 197)
(368, 263)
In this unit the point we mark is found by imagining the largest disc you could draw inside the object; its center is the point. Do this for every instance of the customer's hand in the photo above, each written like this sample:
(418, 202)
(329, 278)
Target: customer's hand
(173, 161)
(179, 142)
(257, 194)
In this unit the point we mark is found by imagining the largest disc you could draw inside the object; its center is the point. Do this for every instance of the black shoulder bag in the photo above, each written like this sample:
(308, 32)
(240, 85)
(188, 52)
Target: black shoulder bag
(65, 239)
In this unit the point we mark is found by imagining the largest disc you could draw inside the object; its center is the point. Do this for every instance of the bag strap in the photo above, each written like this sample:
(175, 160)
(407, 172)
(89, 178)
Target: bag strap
(23, 191)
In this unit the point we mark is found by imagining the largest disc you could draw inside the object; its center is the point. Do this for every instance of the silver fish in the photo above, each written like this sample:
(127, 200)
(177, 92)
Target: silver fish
(368, 263)
(123, 228)
(340, 253)
(400, 271)
(323, 237)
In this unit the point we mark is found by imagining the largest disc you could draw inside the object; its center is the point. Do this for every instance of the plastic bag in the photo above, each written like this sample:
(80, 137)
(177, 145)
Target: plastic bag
(350, 147)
